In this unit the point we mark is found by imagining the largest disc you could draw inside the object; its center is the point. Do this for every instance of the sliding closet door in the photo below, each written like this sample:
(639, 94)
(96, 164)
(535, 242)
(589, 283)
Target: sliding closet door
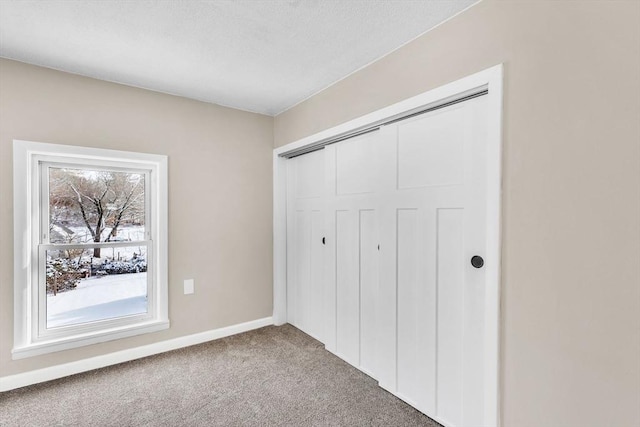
(305, 254)
(432, 222)
(386, 240)
(352, 249)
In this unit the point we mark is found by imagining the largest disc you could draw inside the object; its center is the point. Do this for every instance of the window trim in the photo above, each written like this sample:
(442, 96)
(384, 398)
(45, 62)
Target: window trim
(29, 159)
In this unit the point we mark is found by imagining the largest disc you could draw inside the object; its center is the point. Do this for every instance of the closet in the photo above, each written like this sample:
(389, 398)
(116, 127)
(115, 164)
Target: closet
(387, 255)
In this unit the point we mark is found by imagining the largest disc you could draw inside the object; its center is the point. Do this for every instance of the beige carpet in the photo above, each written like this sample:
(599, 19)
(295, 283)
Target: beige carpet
(274, 376)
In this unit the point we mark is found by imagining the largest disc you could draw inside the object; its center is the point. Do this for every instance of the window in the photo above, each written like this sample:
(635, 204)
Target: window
(90, 246)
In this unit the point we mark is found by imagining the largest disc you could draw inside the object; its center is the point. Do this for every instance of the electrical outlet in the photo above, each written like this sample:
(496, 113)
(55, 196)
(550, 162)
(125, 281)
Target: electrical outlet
(188, 287)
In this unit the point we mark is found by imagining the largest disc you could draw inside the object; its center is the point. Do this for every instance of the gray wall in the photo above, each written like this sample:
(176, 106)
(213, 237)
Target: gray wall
(571, 267)
(220, 193)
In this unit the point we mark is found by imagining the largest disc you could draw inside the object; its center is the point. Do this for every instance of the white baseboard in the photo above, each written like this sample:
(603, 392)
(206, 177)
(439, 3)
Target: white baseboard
(11, 382)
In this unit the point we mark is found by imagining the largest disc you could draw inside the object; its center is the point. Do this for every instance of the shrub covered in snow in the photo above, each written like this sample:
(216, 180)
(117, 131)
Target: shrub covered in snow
(135, 265)
(63, 274)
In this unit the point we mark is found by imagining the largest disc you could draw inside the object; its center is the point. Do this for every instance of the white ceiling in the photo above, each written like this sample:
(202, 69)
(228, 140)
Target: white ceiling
(261, 55)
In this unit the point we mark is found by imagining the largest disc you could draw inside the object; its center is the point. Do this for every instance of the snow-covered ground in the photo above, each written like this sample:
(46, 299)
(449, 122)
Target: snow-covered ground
(98, 298)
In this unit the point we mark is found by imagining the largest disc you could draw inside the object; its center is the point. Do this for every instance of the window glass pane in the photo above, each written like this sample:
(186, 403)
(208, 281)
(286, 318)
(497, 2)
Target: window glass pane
(86, 285)
(95, 206)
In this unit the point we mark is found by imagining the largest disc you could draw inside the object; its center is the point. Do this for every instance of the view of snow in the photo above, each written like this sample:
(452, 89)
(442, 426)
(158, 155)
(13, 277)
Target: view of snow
(94, 282)
(99, 298)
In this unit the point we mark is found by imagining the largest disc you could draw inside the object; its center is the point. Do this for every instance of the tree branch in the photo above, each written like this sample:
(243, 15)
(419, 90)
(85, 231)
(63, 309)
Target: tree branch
(83, 212)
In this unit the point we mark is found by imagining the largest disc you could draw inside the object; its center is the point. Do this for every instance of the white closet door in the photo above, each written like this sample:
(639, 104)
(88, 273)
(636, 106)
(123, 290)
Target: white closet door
(352, 250)
(305, 252)
(392, 289)
(432, 222)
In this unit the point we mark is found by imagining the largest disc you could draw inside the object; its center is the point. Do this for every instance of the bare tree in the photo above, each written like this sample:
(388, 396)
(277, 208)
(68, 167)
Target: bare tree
(96, 199)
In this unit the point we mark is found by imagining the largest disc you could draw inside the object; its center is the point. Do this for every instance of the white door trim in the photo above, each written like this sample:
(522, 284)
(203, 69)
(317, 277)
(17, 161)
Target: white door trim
(491, 79)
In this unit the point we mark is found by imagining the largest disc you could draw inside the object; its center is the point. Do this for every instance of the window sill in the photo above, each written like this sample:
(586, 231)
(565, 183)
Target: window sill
(80, 340)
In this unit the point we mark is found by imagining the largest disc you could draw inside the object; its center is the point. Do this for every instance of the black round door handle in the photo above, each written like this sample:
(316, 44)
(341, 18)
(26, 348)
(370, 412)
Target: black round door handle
(477, 261)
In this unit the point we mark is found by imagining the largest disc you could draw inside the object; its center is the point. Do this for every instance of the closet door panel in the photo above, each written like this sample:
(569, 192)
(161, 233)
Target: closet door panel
(352, 251)
(314, 303)
(432, 204)
(305, 257)
(407, 288)
(347, 287)
(450, 344)
(368, 289)
(303, 268)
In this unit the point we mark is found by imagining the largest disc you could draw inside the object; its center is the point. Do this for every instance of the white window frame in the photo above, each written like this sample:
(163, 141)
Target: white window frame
(31, 162)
